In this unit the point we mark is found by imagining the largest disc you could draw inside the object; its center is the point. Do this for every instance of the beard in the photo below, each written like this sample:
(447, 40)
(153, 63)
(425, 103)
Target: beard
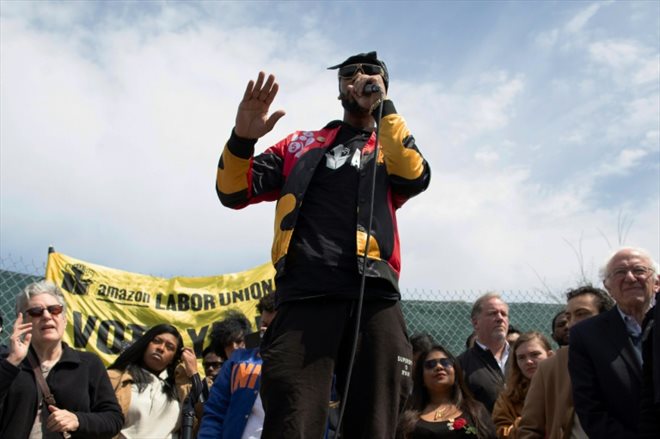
(498, 334)
(352, 106)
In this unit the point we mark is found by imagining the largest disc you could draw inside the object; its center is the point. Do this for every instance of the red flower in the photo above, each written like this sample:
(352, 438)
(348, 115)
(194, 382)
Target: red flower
(459, 423)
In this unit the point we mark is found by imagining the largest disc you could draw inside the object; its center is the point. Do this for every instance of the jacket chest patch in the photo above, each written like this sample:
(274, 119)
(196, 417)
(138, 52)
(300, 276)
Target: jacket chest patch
(339, 155)
(245, 375)
(300, 141)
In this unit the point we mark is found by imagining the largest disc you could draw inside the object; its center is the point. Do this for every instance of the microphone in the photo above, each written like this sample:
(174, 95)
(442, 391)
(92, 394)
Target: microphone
(371, 88)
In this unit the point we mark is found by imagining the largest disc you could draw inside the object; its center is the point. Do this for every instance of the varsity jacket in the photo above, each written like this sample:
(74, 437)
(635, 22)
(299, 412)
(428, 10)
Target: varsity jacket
(284, 171)
(232, 396)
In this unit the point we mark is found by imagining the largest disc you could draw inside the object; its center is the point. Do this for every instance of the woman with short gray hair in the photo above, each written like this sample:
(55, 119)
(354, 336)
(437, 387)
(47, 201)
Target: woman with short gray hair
(36, 288)
(85, 403)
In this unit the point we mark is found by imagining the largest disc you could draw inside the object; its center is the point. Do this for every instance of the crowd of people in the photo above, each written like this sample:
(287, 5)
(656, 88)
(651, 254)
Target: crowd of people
(335, 322)
(49, 390)
(598, 382)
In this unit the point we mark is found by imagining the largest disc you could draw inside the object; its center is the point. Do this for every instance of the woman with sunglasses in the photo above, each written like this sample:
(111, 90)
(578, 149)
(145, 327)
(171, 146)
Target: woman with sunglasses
(527, 352)
(441, 406)
(85, 404)
(150, 387)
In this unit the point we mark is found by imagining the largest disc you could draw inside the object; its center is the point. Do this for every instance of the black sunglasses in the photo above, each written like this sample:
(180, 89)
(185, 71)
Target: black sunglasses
(446, 363)
(38, 311)
(352, 69)
(212, 364)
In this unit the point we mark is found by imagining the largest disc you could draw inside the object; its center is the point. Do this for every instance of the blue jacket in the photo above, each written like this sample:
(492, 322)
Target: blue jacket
(232, 396)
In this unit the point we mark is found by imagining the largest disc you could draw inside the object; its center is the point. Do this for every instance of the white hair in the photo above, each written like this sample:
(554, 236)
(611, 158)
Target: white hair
(35, 289)
(604, 271)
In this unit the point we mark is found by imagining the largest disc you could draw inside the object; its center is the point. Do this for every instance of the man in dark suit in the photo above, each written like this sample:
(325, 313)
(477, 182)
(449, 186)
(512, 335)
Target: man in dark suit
(4, 350)
(484, 363)
(605, 362)
(649, 417)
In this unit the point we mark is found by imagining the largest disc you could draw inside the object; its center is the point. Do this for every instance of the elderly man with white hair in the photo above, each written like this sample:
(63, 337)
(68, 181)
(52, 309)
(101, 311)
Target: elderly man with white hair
(605, 361)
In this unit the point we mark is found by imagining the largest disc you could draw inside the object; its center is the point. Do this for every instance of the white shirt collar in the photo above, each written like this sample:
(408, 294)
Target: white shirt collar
(505, 354)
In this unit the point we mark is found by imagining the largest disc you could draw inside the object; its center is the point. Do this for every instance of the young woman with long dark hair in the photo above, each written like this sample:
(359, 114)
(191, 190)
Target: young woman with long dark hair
(149, 388)
(441, 406)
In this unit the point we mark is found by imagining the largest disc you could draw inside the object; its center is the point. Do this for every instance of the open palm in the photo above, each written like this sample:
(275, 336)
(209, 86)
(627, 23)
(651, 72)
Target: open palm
(19, 342)
(252, 120)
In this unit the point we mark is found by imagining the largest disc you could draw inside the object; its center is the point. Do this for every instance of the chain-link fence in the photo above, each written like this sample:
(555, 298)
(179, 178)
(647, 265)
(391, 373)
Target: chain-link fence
(445, 315)
(15, 274)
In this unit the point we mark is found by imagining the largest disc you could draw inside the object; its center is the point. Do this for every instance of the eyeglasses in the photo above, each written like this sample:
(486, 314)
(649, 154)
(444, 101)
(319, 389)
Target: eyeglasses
(38, 311)
(212, 364)
(352, 69)
(446, 363)
(639, 271)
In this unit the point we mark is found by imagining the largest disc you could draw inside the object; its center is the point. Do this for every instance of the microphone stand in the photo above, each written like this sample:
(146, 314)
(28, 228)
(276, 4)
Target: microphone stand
(363, 277)
(197, 394)
(188, 417)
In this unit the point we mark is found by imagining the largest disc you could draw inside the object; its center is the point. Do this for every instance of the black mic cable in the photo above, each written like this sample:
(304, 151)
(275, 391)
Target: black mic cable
(363, 277)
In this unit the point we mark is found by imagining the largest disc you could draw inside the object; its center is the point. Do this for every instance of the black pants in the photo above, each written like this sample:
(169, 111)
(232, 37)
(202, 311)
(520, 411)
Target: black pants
(308, 341)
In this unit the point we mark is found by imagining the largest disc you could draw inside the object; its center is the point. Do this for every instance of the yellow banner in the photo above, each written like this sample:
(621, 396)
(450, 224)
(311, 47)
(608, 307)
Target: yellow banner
(107, 309)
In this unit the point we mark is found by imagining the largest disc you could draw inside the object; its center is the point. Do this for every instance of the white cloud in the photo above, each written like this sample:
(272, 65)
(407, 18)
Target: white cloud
(625, 59)
(651, 139)
(636, 118)
(587, 86)
(570, 34)
(648, 71)
(615, 53)
(623, 163)
(110, 138)
(580, 20)
(574, 137)
(630, 157)
(547, 39)
(486, 157)
(493, 107)
(462, 112)
(505, 230)
(46, 15)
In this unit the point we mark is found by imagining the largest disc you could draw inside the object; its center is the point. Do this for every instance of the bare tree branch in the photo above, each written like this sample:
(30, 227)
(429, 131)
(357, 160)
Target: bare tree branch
(624, 223)
(580, 258)
(609, 244)
(546, 289)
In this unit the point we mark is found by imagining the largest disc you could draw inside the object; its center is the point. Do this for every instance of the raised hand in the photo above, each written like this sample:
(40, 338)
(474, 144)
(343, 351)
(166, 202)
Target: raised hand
(252, 120)
(189, 361)
(19, 342)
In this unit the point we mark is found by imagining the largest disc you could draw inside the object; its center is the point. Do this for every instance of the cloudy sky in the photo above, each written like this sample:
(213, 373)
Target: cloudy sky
(541, 122)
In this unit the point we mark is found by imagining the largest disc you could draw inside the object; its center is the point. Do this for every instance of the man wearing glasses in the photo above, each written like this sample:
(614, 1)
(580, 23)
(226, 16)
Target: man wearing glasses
(322, 183)
(211, 362)
(605, 361)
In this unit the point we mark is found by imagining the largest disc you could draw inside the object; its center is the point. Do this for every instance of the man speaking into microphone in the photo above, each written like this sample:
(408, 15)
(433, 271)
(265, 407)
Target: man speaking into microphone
(322, 181)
